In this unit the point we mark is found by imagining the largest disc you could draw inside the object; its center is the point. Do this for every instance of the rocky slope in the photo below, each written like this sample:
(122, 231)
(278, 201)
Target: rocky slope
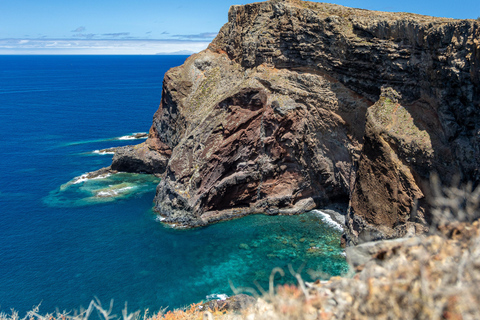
(297, 105)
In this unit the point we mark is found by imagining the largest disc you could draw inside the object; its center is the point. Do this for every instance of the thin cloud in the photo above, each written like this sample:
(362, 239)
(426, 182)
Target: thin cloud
(204, 35)
(180, 53)
(100, 46)
(116, 34)
(79, 29)
(83, 35)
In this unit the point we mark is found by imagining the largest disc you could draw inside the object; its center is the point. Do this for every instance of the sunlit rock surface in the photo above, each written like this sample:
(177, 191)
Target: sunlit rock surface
(297, 105)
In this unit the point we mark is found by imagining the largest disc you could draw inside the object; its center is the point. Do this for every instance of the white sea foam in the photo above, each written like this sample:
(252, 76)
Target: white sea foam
(126, 138)
(80, 179)
(103, 176)
(103, 152)
(84, 177)
(328, 220)
(107, 194)
(133, 136)
(113, 192)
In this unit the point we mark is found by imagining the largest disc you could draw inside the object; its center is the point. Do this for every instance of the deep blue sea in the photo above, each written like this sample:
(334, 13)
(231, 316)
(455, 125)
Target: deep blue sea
(65, 240)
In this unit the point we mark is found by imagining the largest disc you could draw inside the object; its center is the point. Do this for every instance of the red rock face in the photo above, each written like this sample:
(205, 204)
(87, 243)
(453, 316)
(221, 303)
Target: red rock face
(252, 155)
(285, 112)
(252, 141)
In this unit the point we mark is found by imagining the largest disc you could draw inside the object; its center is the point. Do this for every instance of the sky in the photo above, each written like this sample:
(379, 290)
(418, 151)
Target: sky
(152, 26)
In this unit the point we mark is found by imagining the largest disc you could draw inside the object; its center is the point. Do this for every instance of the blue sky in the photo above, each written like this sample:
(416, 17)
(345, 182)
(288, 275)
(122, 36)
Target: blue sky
(151, 26)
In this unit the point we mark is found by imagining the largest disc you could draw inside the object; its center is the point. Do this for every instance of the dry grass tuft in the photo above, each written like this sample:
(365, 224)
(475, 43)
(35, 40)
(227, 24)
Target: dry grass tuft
(453, 205)
(83, 314)
(192, 312)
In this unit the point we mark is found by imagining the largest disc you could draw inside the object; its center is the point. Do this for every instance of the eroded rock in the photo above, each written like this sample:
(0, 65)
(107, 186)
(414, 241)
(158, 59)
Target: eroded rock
(285, 112)
(138, 159)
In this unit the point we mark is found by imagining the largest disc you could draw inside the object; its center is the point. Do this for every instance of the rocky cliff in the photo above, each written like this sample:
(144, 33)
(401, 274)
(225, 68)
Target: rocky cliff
(297, 105)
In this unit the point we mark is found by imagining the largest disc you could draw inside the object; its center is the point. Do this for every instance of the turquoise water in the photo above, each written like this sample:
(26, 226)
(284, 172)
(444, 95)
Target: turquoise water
(81, 191)
(65, 239)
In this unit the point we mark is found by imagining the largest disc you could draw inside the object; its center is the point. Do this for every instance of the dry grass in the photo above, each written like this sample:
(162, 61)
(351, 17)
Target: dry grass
(453, 205)
(84, 314)
(96, 311)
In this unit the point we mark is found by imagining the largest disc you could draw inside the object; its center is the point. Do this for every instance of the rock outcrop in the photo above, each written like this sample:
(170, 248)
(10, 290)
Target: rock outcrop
(139, 159)
(296, 105)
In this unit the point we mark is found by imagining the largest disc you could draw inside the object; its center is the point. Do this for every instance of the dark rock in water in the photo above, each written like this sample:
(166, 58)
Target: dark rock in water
(138, 159)
(297, 105)
(140, 135)
(107, 151)
(99, 173)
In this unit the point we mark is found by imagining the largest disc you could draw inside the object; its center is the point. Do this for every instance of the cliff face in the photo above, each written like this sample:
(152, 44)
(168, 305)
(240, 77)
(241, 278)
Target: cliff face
(296, 105)
(252, 141)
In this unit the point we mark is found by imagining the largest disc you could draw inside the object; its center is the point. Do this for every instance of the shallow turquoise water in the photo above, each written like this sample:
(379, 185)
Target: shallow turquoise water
(81, 191)
(64, 240)
(185, 266)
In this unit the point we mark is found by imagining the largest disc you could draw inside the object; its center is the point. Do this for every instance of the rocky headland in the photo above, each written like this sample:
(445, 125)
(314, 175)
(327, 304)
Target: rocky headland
(298, 105)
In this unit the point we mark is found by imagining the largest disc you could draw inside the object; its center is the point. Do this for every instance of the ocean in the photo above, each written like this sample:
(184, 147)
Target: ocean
(65, 240)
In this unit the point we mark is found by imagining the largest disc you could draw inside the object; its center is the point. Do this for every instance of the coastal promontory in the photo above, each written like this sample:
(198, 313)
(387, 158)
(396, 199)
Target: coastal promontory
(298, 105)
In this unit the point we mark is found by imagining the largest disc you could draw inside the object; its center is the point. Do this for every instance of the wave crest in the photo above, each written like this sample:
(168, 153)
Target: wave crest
(328, 220)
(88, 190)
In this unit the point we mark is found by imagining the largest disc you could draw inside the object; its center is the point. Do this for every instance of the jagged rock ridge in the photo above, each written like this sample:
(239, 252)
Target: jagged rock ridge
(296, 105)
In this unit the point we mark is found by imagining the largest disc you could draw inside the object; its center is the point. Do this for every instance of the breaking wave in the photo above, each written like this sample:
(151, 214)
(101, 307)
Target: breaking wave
(83, 191)
(131, 136)
(84, 177)
(100, 152)
(328, 220)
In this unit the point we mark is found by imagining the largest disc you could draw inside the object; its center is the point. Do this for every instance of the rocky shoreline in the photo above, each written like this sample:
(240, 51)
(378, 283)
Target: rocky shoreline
(298, 105)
